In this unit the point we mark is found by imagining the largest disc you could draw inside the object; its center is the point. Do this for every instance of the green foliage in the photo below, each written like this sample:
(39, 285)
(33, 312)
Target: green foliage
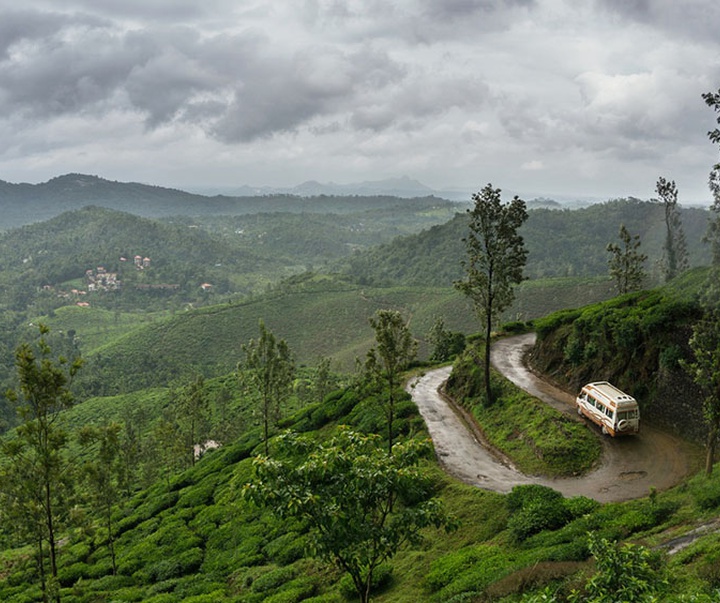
(494, 263)
(628, 573)
(361, 503)
(576, 249)
(394, 350)
(626, 262)
(705, 366)
(267, 372)
(538, 438)
(534, 508)
(446, 344)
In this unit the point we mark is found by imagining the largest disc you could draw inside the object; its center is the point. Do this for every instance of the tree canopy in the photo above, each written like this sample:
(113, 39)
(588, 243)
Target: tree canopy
(494, 262)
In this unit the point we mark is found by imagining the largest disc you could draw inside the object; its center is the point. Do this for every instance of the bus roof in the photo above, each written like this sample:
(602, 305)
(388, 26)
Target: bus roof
(610, 394)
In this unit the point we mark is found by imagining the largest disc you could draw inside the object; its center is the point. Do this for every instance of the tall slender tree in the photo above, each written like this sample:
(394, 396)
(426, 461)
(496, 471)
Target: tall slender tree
(267, 372)
(675, 255)
(38, 455)
(395, 349)
(193, 408)
(103, 474)
(495, 261)
(705, 367)
(712, 99)
(705, 340)
(626, 263)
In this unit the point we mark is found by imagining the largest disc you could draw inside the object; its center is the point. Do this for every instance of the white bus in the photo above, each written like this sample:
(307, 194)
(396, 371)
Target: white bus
(613, 410)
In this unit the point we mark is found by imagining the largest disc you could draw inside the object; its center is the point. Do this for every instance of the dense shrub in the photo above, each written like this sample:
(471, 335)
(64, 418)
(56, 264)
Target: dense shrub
(183, 564)
(287, 548)
(70, 574)
(708, 497)
(535, 508)
(200, 494)
(273, 579)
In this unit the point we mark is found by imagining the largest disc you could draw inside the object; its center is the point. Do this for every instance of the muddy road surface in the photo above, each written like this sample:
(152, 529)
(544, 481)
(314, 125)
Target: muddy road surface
(629, 467)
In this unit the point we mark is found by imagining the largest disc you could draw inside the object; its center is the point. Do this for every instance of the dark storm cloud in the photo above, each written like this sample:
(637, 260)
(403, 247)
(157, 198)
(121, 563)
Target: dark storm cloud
(17, 27)
(47, 72)
(451, 10)
(545, 89)
(164, 11)
(690, 19)
(237, 86)
(280, 94)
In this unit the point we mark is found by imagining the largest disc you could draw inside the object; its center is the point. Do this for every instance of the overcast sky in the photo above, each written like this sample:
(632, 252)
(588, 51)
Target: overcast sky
(539, 97)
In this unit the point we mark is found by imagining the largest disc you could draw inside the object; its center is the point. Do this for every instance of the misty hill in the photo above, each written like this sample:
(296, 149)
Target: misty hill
(560, 243)
(26, 203)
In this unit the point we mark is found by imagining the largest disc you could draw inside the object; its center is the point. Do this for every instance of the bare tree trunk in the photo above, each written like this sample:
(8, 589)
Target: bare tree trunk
(488, 332)
(711, 446)
(41, 567)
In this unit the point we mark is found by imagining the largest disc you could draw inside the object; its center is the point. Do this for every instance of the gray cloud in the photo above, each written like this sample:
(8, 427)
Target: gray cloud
(438, 86)
(686, 19)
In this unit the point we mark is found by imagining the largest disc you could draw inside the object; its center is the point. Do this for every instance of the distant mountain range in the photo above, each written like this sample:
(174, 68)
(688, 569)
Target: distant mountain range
(396, 187)
(403, 187)
(25, 203)
(28, 203)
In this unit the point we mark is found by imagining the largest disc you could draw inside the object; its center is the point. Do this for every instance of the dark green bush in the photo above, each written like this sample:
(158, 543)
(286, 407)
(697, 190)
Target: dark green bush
(273, 579)
(70, 574)
(708, 497)
(200, 494)
(287, 548)
(521, 497)
(548, 324)
(577, 506)
(183, 564)
(535, 508)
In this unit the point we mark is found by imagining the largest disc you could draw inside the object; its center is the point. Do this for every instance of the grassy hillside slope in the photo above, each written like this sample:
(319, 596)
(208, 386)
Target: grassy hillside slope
(191, 538)
(319, 322)
(318, 316)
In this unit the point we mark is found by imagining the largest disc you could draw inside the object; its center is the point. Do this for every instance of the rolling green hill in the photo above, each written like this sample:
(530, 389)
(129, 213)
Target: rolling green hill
(560, 243)
(319, 316)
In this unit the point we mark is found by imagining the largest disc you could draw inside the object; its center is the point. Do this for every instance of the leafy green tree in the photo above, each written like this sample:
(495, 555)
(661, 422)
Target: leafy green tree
(395, 349)
(324, 381)
(267, 372)
(628, 573)
(360, 504)
(705, 340)
(705, 366)
(103, 475)
(130, 453)
(626, 263)
(166, 449)
(446, 343)
(675, 254)
(193, 410)
(713, 235)
(38, 457)
(496, 257)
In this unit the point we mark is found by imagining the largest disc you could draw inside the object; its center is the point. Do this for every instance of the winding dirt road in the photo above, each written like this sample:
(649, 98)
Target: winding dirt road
(629, 466)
